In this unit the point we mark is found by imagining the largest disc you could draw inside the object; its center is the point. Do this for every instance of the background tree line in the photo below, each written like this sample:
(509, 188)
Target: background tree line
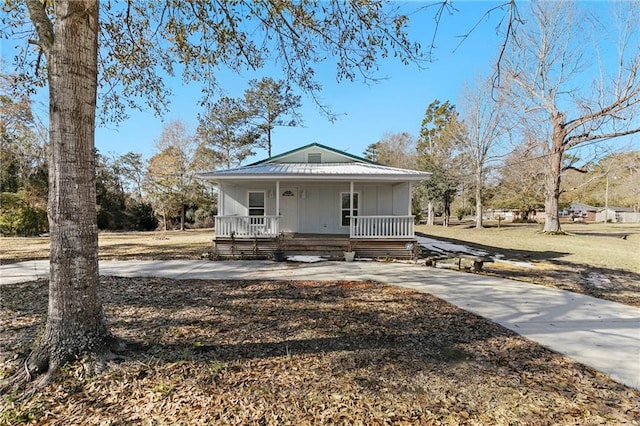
(163, 192)
(540, 132)
(23, 167)
(513, 181)
(133, 193)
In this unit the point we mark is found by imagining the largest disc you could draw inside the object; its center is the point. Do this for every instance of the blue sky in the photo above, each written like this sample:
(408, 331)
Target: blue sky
(395, 104)
(366, 112)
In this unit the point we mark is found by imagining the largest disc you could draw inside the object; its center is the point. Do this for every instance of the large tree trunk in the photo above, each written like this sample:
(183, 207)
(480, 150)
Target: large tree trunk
(75, 322)
(479, 198)
(446, 214)
(554, 173)
(182, 216)
(430, 213)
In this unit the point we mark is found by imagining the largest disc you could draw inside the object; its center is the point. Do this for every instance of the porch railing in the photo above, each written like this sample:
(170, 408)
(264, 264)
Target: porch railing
(382, 227)
(247, 226)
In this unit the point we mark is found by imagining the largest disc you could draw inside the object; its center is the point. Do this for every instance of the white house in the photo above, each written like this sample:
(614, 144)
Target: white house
(322, 199)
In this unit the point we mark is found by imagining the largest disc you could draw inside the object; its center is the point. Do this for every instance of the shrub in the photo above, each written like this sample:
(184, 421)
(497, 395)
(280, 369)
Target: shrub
(19, 217)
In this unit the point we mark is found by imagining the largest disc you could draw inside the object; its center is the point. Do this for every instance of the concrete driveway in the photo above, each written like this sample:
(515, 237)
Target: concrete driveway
(600, 334)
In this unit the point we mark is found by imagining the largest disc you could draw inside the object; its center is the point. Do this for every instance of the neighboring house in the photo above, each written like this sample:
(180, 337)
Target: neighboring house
(617, 214)
(500, 214)
(580, 211)
(321, 200)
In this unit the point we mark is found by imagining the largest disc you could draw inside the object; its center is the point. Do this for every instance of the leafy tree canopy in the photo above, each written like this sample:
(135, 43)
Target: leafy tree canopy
(142, 41)
(394, 149)
(225, 134)
(437, 152)
(271, 103)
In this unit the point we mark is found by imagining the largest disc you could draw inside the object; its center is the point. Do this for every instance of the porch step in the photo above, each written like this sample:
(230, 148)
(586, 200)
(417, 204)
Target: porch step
(393, 249)
(317, 246)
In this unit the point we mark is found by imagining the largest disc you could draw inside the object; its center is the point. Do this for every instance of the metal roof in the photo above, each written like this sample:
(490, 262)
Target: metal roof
(356, 171)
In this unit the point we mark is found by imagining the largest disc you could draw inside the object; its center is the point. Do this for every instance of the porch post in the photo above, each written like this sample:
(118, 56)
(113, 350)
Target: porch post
(220, 210)
(220, 200)
(350, 209)
(277, 207)
(411, 225)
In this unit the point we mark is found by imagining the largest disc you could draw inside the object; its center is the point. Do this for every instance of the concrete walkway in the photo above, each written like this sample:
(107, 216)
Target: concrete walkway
(600, 334)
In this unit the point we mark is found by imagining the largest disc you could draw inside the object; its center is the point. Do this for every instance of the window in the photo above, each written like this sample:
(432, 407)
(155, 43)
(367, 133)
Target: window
(314, 157)
(256, 203)
(344, 207)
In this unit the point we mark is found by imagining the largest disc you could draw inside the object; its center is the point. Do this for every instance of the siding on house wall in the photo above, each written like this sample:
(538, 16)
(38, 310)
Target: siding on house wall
(235, 199)
(384, 202)
(368, 200)
(319, 212)
(400, 199)
(231, 201)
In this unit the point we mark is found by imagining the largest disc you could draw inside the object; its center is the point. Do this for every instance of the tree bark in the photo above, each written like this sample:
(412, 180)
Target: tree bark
(554, 174)
(430, 213)
(479, 185)
(446, 214)
(182, 215)
(75, 323)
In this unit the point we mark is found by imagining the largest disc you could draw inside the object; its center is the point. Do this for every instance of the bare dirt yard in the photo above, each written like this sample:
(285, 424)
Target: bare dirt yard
(278, 353)
(190, 244)
(302, 353)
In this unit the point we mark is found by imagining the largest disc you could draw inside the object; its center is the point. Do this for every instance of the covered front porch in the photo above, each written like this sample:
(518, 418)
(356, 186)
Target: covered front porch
(369, 236)
(360, 227)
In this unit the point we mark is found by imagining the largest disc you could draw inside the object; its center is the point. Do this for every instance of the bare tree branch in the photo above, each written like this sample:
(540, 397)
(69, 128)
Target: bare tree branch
(42, 24)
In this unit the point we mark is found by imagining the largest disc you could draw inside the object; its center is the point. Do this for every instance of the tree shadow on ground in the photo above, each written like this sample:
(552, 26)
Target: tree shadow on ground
(231, 346)
(551, 270)
(240, 320)
(509, 254)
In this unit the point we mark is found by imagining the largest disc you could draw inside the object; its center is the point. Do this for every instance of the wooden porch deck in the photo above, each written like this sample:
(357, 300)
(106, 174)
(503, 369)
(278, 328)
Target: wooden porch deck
(328, 245)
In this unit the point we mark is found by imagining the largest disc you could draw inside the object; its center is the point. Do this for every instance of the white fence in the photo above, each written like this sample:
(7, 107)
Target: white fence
(247, 226)
(619, 217)
(629, 217)
(382, 226)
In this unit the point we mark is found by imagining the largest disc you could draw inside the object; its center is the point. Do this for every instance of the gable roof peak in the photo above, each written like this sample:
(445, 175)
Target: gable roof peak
(282, 158)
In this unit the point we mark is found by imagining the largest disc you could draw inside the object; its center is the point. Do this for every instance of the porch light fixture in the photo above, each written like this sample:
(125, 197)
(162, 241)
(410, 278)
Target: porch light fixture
(303, 193)
(271, 193)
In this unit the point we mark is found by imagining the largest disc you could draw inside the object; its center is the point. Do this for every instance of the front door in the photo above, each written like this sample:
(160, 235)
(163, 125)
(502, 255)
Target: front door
(288, 209)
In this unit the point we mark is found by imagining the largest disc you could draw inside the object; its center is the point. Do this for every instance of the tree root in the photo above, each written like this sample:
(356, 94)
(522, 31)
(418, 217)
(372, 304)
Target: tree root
(556, 233)
(39, 369)
(23, 384)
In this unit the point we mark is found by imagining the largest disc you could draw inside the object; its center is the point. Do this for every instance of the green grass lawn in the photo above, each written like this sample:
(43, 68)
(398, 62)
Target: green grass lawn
(599, 245)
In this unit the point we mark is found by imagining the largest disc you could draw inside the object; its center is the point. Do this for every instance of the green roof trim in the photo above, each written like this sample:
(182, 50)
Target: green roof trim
(312, 145)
